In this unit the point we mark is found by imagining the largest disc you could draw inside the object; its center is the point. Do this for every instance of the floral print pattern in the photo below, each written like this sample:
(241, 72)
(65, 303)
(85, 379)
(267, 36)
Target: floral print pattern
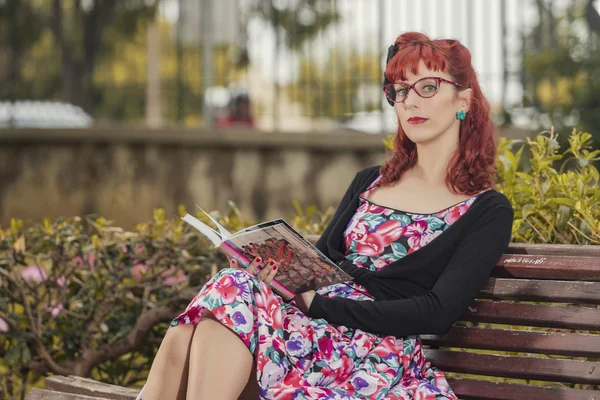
(302, 358)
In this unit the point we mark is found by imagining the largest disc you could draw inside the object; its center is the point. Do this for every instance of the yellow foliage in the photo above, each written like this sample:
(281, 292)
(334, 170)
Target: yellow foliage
(558, 91)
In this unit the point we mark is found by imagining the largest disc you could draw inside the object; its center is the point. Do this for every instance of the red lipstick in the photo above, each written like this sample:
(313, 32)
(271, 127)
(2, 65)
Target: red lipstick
(417, 120)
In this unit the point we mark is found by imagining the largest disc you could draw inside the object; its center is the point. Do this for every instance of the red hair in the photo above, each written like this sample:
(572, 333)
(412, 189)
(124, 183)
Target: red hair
(472, 168)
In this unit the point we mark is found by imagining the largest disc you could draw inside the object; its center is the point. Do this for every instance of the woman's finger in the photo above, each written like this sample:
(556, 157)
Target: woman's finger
(266, 271)
(254, 264)
(271, 274)
(233, 263)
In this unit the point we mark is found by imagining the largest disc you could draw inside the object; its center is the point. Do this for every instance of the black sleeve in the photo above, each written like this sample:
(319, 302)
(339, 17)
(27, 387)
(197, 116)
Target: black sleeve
(435, 311)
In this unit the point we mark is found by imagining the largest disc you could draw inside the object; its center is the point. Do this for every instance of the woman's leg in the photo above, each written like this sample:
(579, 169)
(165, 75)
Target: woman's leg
(250, 392)
(220, 363)
(169, 372)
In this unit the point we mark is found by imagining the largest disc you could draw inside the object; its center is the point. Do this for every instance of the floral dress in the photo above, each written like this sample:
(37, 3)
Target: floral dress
(302, 358)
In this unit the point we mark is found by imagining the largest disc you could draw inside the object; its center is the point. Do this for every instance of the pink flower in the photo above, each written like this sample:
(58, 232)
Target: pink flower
(414, 232)
(77, 261)
(138, 270)
(326, 347)
(455, 213)
(390, 231)
(34, 273)
(139, 249)
(3, 325)
(356, 232)
(56, 309)
(372, 246)
(62, 282)
(375, 209)
(381, 262)
(173, 276)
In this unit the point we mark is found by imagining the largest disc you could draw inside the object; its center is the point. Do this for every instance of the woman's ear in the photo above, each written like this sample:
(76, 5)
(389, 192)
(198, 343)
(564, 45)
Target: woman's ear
(464, 97)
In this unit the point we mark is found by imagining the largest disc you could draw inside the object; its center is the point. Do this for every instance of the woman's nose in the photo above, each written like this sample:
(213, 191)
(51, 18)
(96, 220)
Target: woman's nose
(412, 99)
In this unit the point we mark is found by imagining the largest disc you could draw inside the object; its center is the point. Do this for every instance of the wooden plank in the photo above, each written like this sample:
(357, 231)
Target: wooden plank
(544, 369)
(540, 290)
(548, 267)
(88, 387)
(566, 344)
(485, 390)
(41, 394)
(571, 317)
(554, 249)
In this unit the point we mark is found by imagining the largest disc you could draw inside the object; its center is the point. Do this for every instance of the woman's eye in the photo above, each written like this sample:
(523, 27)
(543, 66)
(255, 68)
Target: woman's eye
(401, 92)
(430, 88)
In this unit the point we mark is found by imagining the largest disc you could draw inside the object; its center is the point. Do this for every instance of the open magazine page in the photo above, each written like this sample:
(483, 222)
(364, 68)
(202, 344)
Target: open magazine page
(302, 266)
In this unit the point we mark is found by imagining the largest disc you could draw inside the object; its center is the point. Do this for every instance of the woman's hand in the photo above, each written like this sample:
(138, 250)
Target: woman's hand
(263, 271)
(304, 300)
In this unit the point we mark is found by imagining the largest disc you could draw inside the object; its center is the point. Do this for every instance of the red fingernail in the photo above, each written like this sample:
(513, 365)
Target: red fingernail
(275, 268)
(271, 262)
(257, 259)
(233, 261)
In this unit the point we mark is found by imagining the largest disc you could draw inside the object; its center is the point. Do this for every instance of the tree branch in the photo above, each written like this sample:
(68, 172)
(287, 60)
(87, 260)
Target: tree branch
(49, 363)
(133, 341)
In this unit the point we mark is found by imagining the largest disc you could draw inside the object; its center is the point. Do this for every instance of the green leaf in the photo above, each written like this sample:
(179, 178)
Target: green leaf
(405, 219)
(398, 249)
(563, 216)
(527, 210)
(561, 201)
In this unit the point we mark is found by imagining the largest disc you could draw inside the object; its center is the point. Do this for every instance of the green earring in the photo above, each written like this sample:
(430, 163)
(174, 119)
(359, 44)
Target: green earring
(461, 115)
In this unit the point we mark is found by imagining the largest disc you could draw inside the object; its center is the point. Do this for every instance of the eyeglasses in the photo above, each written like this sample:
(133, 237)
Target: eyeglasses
(424, 87)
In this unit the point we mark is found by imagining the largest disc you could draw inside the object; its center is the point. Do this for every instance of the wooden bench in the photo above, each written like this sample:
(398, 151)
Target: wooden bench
(552, 289)
(562, 351)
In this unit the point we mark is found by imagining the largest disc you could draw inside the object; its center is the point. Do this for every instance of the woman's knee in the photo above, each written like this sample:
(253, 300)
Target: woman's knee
(177, 341)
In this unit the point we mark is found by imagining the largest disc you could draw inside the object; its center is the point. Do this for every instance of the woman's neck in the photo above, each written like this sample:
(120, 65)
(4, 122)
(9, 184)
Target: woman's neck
(432, 161)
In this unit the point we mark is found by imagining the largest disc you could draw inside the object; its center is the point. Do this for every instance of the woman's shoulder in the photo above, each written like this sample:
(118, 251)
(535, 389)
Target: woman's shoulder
(367, 175)
(491, 201)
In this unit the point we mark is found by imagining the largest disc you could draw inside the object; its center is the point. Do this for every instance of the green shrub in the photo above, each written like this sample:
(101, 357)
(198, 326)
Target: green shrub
(78, 296)
(555, 196)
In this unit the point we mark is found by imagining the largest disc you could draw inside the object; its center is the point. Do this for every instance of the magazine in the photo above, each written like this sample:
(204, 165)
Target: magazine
(302, 267)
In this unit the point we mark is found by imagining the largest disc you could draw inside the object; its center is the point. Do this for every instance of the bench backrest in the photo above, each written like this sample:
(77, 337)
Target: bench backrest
(537, 321)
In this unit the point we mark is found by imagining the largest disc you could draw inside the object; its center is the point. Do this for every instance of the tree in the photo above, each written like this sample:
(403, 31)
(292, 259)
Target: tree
(17, 36)
(561, 60)
(85, 30)
(332, 90)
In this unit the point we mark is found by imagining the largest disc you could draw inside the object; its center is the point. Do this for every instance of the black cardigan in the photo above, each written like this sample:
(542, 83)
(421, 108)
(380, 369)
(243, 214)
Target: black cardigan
(426, 291)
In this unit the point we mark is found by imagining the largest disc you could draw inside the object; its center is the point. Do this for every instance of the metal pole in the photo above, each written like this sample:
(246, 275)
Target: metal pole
(276, 108)
(180, 102)
(381, 52)
(206, 41)
(504, 51)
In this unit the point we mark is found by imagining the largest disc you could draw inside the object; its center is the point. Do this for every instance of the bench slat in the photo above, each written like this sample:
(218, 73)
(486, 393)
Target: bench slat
(548, 267)
(554, 249)
(540, 290)
(41, 394)
(485, 390)
(578, 318)
(566, 344)
(88, 387)
(570, 371)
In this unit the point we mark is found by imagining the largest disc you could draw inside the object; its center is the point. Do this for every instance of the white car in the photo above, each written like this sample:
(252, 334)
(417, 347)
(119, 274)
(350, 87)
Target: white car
(42, 114)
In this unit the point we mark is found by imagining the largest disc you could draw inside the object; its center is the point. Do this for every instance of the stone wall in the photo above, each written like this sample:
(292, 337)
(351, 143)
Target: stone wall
(124, 174)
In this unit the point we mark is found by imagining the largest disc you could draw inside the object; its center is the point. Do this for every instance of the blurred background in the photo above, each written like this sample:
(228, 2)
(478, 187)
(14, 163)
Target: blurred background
(118, 107)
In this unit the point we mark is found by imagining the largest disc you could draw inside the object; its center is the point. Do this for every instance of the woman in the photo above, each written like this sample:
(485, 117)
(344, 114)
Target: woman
(420, 236)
